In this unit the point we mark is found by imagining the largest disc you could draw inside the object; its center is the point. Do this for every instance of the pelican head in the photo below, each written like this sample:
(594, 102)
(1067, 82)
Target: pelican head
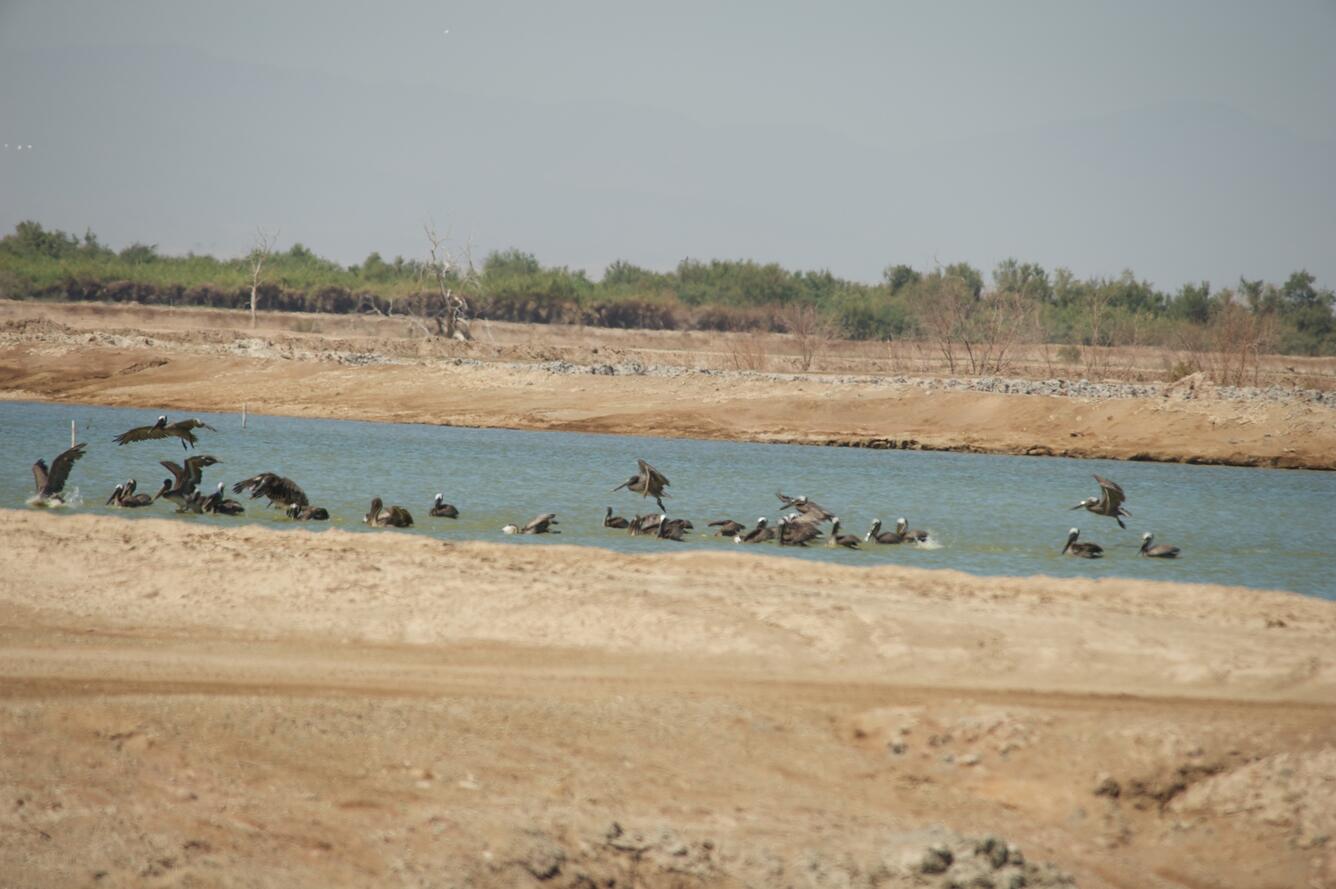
(1147, 537)
(166, 486)
(512, 528)
(761, 521)
(1086, 503)
(115, 495)
(440, 497)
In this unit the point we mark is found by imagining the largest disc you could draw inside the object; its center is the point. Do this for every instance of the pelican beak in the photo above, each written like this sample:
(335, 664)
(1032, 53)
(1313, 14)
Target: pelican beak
(1078, 506)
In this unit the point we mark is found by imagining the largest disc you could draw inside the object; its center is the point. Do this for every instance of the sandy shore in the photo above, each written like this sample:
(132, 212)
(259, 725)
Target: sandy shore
(189, 706)
(200, 361)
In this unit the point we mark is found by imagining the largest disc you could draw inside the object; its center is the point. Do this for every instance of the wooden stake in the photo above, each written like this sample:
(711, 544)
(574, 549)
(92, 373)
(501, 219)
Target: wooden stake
(72, 442)
(243, 415)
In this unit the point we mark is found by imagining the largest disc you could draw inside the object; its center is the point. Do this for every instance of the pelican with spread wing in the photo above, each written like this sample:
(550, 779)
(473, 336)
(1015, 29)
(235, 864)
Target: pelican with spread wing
(648, 482)
(182, 429)
(51, 480)
(1109, 502)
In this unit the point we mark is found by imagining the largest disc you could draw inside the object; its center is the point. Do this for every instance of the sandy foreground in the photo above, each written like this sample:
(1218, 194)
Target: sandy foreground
(204, 360)
(186, 706)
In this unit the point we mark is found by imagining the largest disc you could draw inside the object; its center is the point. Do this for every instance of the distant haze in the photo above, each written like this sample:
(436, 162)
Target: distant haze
(1186, 141)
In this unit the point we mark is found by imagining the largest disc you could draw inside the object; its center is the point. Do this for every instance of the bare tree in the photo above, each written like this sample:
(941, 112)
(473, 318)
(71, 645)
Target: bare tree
(810, 331)
(450, 312)
(261, 248)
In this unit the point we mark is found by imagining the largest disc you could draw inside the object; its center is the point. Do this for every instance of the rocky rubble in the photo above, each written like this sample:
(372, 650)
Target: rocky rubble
(621, 857)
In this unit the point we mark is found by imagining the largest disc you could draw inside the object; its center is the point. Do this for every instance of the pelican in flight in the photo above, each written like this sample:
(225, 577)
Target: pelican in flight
(51, 482)
(1161, 551)
(537, 525)
(381, 517)
(443, 510)
(182, 429)
(1081, 550)
(808, 510)
(1109, 502)
(279, 489)
(648, 482)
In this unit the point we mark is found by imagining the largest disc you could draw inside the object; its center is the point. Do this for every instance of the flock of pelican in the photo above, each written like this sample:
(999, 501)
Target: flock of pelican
(801, 526)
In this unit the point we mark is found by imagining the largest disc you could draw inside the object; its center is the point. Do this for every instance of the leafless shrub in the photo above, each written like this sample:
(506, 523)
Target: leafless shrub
(748, 352)
(977, 334)
(261, 248)
(811, 333)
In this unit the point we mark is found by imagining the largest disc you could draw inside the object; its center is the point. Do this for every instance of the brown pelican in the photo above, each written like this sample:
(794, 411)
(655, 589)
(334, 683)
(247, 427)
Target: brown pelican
(810, 510)
(796, 533)
(537, 525)
(648, 482)
(849, 541)
(217, 504)
(1081, 550)
(727, 527)
(614, 521)
(380, 517)
(760, 534)
(644, 524)
(443, 510)
(1109, 502)
(124, 496)
(1162, 551)
(673, 529)
(875, 534)
(307, 513)
(914, 536)
(182, 429)
(180, 489)
(279, 489)
(51, 482)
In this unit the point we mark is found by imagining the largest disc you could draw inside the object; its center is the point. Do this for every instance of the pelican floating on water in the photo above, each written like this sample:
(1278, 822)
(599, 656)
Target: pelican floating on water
(728, 528)
(381, 517)
(794, 532)
(760, 534)
(181, 488)
(537, 525)
(1162, 551)
(648, 482)
(849, 541)
(182, 429)
(614, 521)
(219, 505)
(307, 513)
(916, 535)
(876, 535)
(50, 482)
(443, 510)
(1081, 550)
(1109, 502)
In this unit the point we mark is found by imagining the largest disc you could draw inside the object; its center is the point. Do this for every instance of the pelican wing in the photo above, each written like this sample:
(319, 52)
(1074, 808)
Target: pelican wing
(1111, 495)
(39, 475)
(656, 481)
(183, 429)
(182, 476)
(547, 518)
(400, 517)
(142, 433)
(60, 469)
(195, 467)
(814, 512)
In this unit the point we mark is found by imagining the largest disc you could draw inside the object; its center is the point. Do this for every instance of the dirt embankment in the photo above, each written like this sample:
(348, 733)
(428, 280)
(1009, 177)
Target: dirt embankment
(631, 383)
(350, 709)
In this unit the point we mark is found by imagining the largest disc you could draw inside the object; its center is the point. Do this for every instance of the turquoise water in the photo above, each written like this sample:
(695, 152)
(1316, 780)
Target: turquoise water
(988, 515)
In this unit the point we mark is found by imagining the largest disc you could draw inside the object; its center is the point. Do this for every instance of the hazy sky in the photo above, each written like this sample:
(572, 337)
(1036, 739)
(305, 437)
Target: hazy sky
(1185, 140)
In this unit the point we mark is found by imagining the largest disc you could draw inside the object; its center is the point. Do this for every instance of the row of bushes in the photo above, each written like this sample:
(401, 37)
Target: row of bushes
(718, 295)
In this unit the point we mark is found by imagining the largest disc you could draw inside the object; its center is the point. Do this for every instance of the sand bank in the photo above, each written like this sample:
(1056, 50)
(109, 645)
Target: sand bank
(189, 705)
(519, 385)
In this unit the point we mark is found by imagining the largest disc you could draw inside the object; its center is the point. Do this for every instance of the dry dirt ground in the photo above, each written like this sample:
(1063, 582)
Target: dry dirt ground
(193, 707)
(360, 368)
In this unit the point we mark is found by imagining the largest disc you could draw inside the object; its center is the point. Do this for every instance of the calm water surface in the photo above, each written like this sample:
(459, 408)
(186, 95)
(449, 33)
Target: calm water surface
(989, 515)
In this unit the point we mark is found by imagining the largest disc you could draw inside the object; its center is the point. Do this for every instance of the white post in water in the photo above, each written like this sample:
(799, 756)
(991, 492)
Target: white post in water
(243, 415)
(72, 442)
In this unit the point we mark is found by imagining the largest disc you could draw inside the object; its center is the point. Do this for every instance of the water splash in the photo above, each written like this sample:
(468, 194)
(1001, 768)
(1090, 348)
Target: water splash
(931, 543)
(70, 499)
